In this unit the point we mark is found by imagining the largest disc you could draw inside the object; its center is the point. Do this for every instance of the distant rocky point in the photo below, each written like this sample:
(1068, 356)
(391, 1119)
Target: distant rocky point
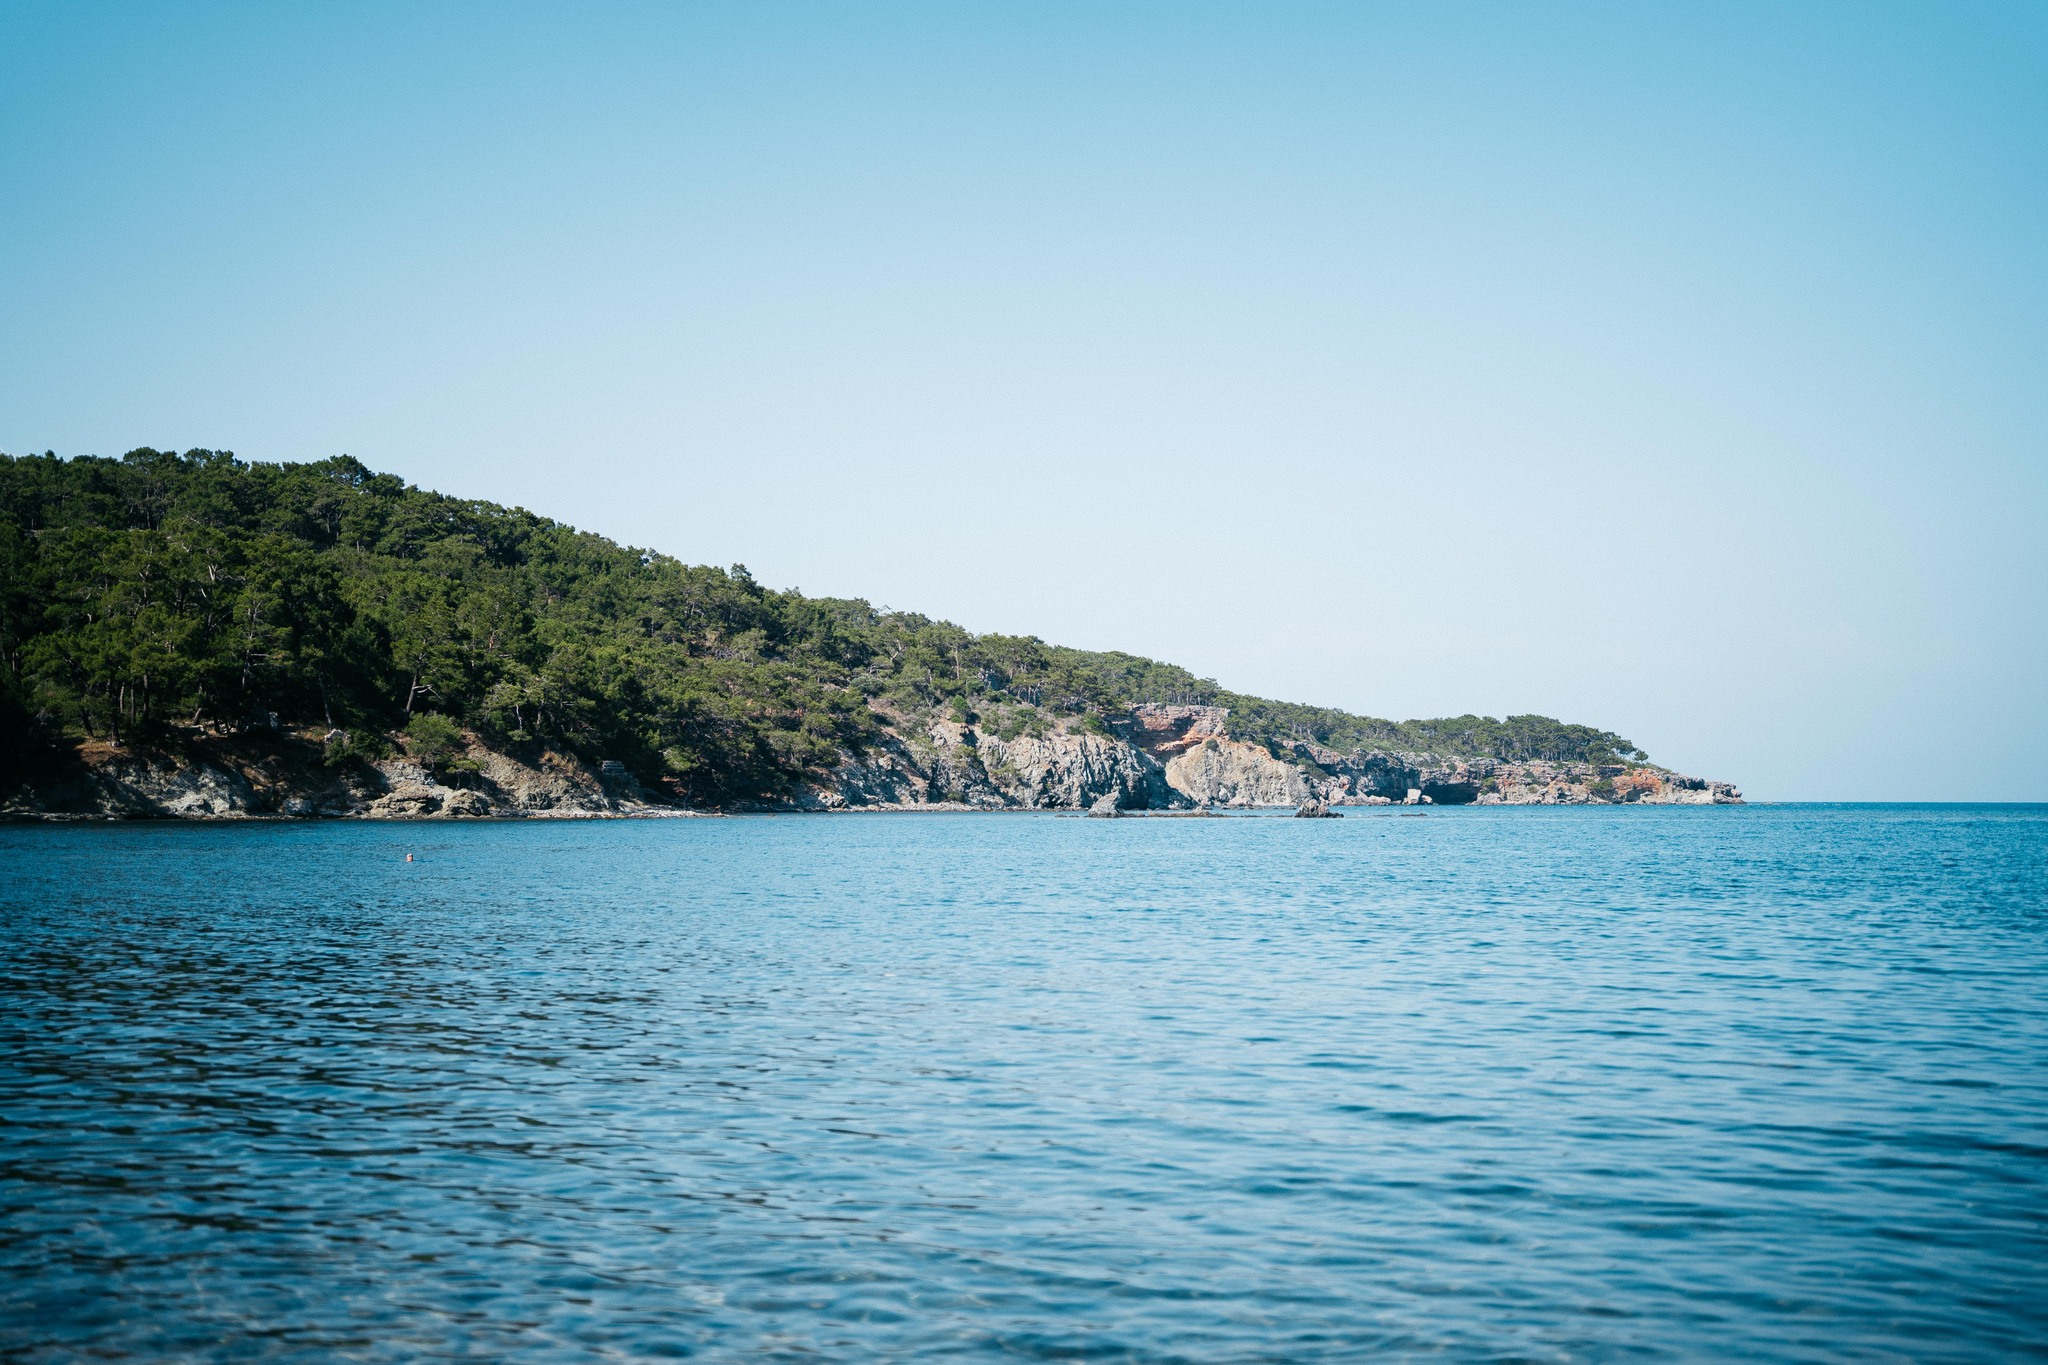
(1162, 757)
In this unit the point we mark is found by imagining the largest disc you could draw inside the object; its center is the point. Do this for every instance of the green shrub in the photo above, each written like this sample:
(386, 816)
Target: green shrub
(432, 740)
(346, 748)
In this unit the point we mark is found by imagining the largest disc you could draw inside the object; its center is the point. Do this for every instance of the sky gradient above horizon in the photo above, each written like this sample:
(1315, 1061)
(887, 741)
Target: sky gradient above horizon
(1675, 370)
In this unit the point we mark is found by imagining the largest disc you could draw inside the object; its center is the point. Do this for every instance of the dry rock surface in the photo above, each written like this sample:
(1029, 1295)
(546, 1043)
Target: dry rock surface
(1181, 757)
(283, 775)
(1152, 758)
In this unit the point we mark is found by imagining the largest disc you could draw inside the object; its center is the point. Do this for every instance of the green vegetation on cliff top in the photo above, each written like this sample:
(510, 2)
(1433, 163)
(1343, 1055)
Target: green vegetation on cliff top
(144, 597)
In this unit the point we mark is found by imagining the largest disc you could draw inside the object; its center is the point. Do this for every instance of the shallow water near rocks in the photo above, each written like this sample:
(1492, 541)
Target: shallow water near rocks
(1531, 1084)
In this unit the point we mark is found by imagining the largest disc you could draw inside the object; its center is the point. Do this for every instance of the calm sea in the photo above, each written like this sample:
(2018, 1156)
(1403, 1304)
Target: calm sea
(1767, 1083)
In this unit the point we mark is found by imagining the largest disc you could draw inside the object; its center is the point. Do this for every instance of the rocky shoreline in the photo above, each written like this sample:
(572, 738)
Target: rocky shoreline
(1182, 757)
(1149, 758)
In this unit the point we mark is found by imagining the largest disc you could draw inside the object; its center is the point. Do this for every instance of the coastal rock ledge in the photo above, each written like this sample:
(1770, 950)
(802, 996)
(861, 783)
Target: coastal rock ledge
(1150, 757)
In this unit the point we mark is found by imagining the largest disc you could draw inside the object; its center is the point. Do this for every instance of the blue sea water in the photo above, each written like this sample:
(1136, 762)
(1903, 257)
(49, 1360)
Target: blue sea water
(1767, 1083)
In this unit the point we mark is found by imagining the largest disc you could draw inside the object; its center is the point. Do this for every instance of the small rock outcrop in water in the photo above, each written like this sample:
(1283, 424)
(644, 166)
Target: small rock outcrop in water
(1105, 807)
(1314, 810)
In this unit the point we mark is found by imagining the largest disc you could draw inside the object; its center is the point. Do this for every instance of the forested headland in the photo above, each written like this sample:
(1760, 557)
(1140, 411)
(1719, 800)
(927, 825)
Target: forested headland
(150, 598)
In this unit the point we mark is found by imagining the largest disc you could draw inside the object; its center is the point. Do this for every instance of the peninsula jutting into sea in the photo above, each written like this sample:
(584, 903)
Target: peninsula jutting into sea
(194, 635)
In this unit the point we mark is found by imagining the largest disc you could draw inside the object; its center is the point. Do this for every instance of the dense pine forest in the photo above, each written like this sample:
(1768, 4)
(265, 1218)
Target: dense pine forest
(161, 595)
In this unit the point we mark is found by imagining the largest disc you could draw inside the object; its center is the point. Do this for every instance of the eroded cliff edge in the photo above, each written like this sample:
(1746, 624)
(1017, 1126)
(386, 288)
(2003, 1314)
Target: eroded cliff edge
(1156, 757)
(1149, 757)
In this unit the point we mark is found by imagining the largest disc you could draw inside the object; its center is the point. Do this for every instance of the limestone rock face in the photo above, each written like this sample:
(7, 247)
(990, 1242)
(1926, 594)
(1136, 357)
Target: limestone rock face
(1153, 757)
(231, 777)
(411, 799)
(1372, 776)
(407, 800)
(1072, 771)
(202, 790)
(1166, 731)
(885, 777)
(196, 785)
(953, 765)
(1229, 772)
(1158, 757)
(550, 784)
(462, 802)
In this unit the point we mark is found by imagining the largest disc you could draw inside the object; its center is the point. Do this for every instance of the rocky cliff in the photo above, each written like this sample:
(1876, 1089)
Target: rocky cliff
(1207, 766)
(958, 765)
(1178, 757)
(226, 777)
(1148, 758)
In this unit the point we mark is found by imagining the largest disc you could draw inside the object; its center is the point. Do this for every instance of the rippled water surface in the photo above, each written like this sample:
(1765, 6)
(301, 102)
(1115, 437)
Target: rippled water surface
(1601, 1084)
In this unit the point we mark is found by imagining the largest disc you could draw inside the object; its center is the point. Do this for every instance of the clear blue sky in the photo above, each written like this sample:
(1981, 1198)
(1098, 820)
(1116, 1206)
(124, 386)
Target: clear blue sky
(1679, 369)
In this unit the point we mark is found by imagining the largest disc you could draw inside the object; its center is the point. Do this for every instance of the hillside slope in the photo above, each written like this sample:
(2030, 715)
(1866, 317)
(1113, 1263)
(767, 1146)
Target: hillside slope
(193, 634)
